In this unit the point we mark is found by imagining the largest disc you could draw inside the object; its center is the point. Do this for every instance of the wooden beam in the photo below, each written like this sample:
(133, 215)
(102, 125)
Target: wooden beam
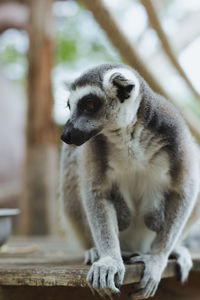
(38, 201)
(155, 23)
(107, 21)
(49, 268)
(13, 15)
(52, 272)
(53, 262)
(188, 30)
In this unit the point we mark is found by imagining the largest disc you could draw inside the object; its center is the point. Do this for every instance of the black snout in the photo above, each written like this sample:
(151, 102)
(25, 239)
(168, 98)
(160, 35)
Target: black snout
(75, 136)
(72, 135)
(67, 132)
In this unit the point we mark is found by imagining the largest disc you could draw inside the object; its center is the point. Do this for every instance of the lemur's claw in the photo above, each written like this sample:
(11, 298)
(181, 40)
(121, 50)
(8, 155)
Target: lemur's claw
(105, 275)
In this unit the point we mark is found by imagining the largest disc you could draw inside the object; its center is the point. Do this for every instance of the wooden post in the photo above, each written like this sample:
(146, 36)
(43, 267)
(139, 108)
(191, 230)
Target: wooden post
(37, 205)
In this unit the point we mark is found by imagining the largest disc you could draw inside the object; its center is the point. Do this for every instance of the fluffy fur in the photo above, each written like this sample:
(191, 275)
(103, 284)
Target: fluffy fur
(133, 186)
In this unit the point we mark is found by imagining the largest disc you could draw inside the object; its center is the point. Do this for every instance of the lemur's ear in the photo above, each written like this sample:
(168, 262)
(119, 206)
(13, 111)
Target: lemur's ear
(67, 84)
(124, 86)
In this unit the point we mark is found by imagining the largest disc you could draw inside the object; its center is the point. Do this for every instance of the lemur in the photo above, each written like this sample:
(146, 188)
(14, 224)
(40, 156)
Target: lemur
(131, 187)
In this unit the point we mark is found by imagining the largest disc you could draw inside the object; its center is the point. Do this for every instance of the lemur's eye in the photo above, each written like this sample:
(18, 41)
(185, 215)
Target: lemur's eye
(90, 106)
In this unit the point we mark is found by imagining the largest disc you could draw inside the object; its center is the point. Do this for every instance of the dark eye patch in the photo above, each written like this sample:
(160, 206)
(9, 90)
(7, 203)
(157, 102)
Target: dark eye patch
(89, 104)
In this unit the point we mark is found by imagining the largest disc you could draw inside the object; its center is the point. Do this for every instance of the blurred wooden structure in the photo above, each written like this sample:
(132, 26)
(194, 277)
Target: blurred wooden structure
(107, 21)
(13, 15)
(38, 202)
(38, 205)
(47, 268)
(155, 23)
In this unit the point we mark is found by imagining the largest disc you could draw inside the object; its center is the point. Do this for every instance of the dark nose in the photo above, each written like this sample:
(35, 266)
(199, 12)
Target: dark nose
(67, 133)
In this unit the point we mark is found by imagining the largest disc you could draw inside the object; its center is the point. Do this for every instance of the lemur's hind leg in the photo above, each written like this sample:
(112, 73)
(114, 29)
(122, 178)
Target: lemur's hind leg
(127, 256)
(91, 256)
(184, 262)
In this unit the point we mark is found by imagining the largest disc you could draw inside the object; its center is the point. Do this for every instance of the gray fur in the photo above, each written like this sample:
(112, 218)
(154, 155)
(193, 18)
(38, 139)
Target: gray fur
(93, 76)
(155, 220)
(122, 210)
(135, 182)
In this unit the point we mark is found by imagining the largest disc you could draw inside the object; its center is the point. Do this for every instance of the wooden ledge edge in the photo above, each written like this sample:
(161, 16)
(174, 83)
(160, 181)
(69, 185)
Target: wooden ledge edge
(72, 276)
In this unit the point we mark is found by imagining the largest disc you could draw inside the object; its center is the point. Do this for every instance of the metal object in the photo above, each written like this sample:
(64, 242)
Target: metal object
(6, 223)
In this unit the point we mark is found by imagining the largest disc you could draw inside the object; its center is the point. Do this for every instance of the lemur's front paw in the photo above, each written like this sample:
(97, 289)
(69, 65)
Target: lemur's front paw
(91, 256)
(106, 275)
(154, 266)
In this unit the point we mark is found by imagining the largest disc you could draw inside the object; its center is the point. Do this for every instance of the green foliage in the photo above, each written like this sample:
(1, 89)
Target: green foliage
(195, 107)
(13, 46)
(9, 54)
(78, 39)
(65, 49)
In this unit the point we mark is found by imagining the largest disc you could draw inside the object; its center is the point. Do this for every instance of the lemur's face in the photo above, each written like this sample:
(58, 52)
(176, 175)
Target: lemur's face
(100, 100)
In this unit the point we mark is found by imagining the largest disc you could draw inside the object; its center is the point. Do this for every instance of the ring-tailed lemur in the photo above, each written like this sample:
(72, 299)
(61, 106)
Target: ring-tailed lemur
(133, 183)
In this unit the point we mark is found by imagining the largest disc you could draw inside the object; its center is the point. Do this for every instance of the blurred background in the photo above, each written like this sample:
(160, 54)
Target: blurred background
(44, 45)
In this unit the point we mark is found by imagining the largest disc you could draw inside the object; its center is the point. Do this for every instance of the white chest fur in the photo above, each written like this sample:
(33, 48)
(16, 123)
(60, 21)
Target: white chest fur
(141, 181)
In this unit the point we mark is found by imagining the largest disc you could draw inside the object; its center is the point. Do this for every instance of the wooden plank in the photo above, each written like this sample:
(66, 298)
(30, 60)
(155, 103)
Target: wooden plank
(55, 263)
(64, 273)
(61, 269)
(48, 268)
(169, 289)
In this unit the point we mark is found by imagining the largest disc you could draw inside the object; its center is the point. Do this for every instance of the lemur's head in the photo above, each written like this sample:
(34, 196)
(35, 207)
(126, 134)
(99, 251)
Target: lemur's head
(103, 98)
